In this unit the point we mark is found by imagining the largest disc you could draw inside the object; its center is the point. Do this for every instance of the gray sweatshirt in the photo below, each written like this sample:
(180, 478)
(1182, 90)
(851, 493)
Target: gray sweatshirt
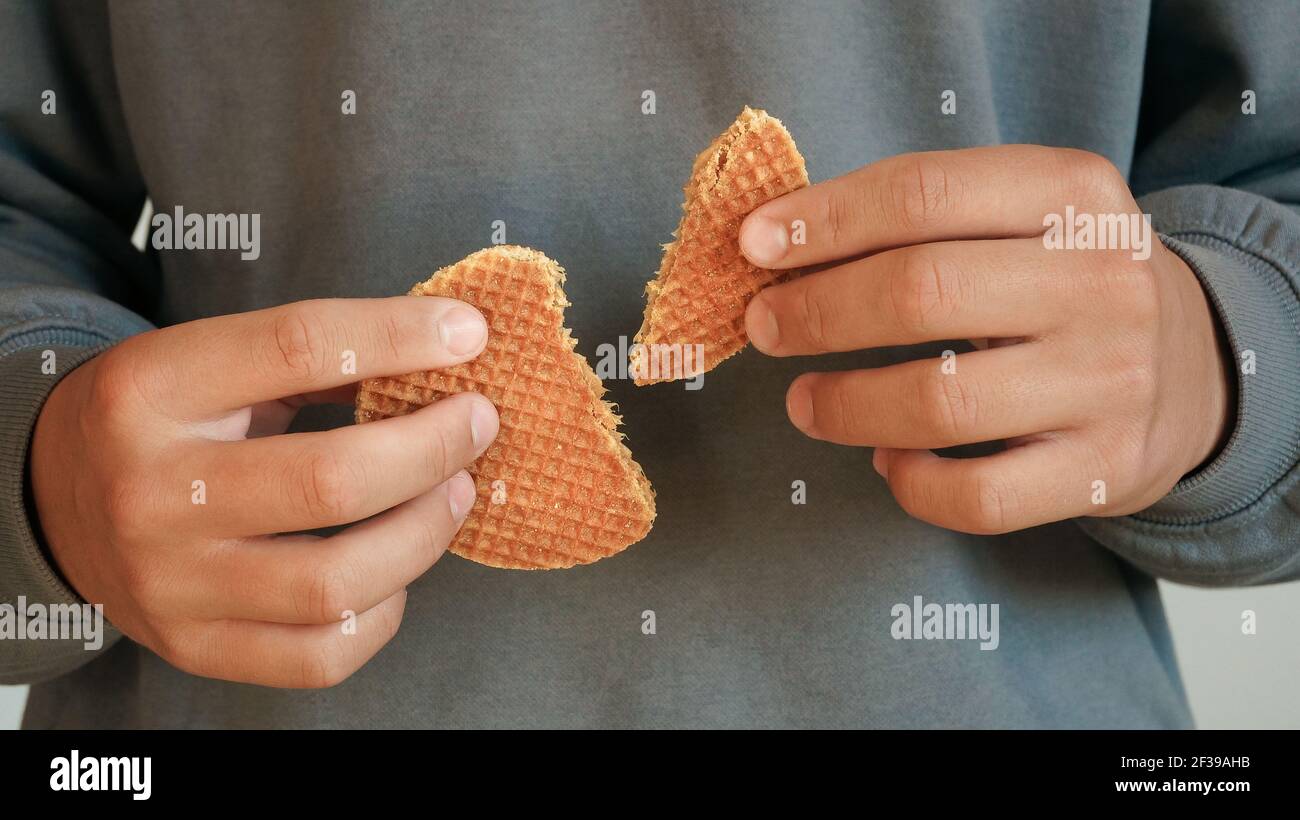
(766, 612)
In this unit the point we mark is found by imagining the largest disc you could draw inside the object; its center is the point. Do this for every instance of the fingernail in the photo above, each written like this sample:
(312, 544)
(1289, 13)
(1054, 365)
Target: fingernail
(798, 406)
(880, 462)
(764, 241)
(760, 323)
(483, 424)
(462, 331)
(460, 495)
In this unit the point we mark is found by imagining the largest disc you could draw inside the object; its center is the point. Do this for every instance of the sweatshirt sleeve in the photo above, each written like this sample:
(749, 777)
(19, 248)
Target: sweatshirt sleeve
(1222, 185)
(70, 281)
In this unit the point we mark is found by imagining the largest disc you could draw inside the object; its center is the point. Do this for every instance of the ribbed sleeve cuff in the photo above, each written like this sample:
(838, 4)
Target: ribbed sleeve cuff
(45, 334)
(1242, 248)
(26, 574)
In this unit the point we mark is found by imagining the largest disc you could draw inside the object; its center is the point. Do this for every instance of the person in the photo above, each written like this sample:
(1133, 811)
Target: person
(1124, 410)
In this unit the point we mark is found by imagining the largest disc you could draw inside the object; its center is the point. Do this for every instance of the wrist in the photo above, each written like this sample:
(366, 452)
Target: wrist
(1214, 366)
(50, 476)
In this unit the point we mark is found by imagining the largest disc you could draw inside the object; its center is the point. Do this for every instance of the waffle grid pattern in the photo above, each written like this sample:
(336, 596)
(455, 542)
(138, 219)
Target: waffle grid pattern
(704, 284)
(573, 493)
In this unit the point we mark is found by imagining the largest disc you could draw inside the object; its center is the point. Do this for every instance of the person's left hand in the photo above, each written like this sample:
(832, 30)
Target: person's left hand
(1102, 365)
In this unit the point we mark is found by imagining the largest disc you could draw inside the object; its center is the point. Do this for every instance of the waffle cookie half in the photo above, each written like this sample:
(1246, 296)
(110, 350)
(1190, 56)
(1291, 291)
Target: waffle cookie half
(566, 488)
(704, 284)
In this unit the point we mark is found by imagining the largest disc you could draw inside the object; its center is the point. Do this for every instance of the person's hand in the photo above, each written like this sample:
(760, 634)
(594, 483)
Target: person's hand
(161, 479)
(1104, 373)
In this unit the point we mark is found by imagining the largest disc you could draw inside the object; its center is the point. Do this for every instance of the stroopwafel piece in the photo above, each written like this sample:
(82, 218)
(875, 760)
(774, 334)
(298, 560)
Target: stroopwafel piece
(704, 283)
(558, 487)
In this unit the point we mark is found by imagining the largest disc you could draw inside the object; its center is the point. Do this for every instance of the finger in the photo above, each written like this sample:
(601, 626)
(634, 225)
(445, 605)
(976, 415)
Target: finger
(1048, 480)
(983, 395)
(304, 481)
(207, 367)
(298, 580)
(286, 655)
(921, 293)
(994, 192)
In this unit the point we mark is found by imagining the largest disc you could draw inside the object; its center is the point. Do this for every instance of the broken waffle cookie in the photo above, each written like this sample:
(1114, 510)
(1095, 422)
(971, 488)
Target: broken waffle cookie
(558, 487)
(704, 284)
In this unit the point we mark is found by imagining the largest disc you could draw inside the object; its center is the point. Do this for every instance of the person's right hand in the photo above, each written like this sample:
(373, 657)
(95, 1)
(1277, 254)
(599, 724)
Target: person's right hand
(211, 587)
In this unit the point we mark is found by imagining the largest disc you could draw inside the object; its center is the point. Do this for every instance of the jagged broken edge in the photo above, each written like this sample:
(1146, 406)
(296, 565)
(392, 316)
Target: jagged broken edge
(713, 159)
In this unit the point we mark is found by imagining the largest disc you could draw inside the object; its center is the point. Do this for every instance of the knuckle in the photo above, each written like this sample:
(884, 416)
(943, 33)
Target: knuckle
(921, 192)
(813, 316)
(430, 538)
(843, 411)
(988, 508)
(110, 389)
(323, 593)
(1120, 456)
(141, 581)
(1135, 377)
(431, 542)
(176, 649)
(843, 211)
(1129, 456)
(1137, 290)
(323, 666)
(389, 618)
(299, 346)
(949, 407)
(394, 336)
(924, 293)
(322, 486)
(907, 491)
(919, 497)
(1111, 280)
(438, 449)
(1094, 172)
(128, 381)
(392, 622)
(195, 648)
